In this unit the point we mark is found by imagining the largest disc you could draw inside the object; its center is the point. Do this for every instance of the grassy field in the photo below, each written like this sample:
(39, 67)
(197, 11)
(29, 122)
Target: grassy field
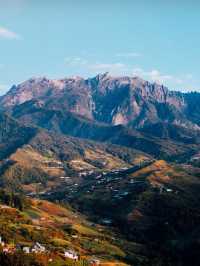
(58, 229)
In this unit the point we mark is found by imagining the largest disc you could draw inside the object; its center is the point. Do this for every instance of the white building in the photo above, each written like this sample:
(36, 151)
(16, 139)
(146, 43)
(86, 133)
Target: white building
(2, 243)
(26, 250)
(71, 254)
(37, 248)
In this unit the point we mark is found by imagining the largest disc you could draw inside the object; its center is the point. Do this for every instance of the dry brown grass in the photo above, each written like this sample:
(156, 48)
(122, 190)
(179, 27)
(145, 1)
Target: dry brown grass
(110, 160)
(28, 158)
(157, 173)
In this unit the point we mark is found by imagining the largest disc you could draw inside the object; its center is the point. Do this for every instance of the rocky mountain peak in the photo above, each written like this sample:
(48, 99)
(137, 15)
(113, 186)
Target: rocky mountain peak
(121, 100)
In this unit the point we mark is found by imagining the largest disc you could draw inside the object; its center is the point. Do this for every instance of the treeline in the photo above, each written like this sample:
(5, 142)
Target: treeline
(18, 201)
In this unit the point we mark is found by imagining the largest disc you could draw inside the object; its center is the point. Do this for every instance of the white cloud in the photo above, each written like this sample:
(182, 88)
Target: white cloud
(108, 67)
(118, 68)
(88, 68)
(128, 55)
(3, 86)
(75, 61)
(3, 89)
(7, 34)
(156, 76)
(189, 76)
(95, 67)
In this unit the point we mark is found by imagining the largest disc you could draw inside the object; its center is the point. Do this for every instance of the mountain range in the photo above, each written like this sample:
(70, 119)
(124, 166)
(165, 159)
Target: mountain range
(121, 110)
(112, 148)
(124, 101)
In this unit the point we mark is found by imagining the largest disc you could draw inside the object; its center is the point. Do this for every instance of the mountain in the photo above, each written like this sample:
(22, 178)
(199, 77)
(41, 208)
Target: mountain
(155, 205)
(31, 155)
(67, 123)
(13, 135)
(111, 100)
(125, 111)
(120, 150)
(174, 132)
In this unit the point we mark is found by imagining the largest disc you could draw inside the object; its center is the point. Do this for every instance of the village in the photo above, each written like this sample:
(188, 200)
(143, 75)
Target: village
(117, 182)
(38, 248)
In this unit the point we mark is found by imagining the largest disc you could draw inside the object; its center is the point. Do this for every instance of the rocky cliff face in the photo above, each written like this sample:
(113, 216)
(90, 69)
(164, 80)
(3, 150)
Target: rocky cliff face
(133, 101)
(70, 94)
(127, 101)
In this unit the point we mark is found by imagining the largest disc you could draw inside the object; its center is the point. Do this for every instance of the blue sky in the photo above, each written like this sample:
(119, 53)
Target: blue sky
(157, 40)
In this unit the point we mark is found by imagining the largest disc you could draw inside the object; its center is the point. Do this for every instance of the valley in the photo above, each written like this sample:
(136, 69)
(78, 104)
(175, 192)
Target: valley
(108, 170)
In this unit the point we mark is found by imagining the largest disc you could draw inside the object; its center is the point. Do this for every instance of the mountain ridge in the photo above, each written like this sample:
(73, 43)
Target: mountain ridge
(122, 151)
(126, 111)
(130, 101)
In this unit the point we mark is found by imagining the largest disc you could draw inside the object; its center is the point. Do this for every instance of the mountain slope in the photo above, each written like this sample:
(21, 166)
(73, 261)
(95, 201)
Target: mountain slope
(30, 156)
(159, 210)
(173, 132)
(112, 100)
(67, 123)
(56, 228)
(13, 135)
(95, 144)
